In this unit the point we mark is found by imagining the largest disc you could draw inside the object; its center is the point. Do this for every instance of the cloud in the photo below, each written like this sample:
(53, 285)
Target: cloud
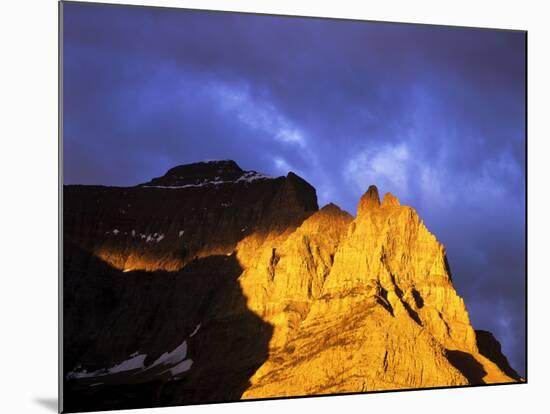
(388, 167)
(281, 165)
(256, 114)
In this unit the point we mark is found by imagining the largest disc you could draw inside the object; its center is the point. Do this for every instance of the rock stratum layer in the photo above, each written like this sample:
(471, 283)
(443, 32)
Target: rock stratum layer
(212, 284)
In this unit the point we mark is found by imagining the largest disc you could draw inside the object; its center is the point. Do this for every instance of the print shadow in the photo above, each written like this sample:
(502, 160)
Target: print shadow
(48, 403)
(110, 315)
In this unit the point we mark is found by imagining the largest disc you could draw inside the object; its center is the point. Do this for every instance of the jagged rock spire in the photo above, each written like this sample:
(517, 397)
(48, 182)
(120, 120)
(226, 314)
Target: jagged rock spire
(369, 201)
(390, 200)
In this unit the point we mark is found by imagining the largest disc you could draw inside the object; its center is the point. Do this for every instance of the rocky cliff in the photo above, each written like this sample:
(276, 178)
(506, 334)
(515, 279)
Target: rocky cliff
(211, 283)
(193, 211)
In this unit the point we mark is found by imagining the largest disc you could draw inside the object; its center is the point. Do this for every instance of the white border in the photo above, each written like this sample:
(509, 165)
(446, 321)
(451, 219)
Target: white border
(28, 230)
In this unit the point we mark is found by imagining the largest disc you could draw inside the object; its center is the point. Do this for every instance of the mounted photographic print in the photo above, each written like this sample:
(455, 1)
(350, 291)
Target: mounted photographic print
(262, 206)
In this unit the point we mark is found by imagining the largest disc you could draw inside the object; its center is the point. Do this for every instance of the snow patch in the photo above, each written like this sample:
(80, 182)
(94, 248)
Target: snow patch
(251, 176)
(135, 362)
(182, 367)
(155, 237)
(195, 331)
(172, 358)
(247, 177)
(174, 362)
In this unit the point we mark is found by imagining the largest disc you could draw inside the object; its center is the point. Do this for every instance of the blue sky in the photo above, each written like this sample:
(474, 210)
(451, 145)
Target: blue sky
(436, 115)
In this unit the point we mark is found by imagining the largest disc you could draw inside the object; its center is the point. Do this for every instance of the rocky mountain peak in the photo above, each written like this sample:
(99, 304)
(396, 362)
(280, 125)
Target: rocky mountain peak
(206, 166)
(205, 173)
(390, 200)
(330, 220)
(332, 209)
(368, 201)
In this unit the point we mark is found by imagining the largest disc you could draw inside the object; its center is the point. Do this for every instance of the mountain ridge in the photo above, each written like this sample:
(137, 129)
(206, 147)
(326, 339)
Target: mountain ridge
(336, 303)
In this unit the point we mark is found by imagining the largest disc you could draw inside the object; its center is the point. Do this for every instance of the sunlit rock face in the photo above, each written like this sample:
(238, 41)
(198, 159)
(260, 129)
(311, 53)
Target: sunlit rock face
(270, 295)
(385, 316)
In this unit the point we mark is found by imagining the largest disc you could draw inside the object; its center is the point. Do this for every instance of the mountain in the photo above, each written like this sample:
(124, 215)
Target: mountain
(212, 283)
(193, 211)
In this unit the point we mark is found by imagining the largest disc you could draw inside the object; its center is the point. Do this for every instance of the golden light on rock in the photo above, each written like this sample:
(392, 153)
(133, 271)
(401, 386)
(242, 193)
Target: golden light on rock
(356, 304)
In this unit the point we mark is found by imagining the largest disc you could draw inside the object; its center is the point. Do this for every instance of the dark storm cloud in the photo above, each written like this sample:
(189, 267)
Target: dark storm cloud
(434, 115)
